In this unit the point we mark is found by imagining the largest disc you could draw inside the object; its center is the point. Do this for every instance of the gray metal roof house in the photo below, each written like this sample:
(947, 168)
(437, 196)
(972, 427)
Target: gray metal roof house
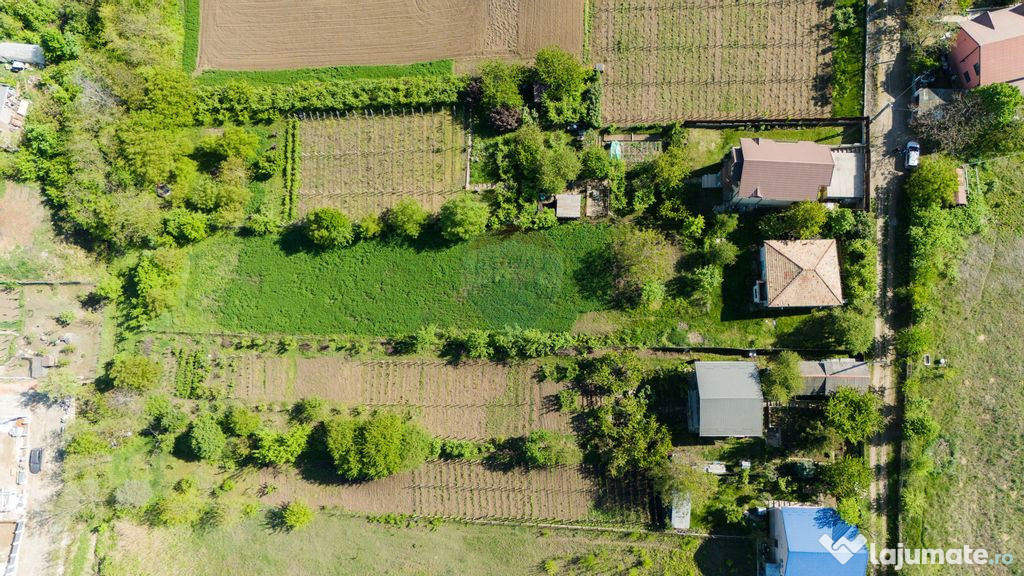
(27, 53)
(727, 400)
(823, 377)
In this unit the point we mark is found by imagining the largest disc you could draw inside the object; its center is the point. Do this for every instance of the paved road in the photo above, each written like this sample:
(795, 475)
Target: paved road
(887, 98)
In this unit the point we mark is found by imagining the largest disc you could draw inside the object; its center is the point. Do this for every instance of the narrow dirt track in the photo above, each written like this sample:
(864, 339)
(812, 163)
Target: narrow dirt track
(887, 101)
(276, 34)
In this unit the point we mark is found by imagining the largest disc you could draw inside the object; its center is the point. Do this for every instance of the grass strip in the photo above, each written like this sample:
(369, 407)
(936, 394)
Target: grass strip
(848, 37)
(284, 77)
(190, 51)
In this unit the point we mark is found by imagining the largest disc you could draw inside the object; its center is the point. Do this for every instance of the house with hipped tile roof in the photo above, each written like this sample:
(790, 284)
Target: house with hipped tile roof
(799, 274)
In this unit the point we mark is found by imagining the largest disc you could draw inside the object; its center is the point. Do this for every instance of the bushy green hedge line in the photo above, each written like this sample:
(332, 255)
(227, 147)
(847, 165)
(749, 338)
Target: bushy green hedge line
(241, 103)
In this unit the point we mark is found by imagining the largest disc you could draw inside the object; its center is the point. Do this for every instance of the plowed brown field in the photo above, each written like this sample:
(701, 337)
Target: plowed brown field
(470, 490)
(281, 34)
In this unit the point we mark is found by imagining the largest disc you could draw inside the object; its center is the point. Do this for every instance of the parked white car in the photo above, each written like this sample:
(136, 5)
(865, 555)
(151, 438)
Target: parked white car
(912, 154)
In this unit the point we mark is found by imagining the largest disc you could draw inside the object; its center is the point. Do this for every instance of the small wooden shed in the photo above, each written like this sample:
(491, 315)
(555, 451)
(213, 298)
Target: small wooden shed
(569, 205)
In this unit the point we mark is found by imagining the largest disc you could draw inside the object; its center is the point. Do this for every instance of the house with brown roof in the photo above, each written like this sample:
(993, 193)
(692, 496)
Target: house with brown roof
(799, 274)
(824, 377)
(773, 173)
(989, 48)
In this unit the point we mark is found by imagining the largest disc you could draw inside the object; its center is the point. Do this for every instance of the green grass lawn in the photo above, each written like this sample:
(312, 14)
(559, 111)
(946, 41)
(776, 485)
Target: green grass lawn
(190, 48)
(337, 544)
(539, 280)
(971, 493)
(285, 77)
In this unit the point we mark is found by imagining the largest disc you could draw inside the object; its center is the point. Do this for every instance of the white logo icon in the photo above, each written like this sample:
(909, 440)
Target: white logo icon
(842, 549)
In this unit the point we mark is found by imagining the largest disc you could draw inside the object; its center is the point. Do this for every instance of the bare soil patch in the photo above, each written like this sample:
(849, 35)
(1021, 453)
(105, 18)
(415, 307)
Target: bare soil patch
(471, 400)
(281, 34)
(42, 334)
(452, 489)
(707, 59)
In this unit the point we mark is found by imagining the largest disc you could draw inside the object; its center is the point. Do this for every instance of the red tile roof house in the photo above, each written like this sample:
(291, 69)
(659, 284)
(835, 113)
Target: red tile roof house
(771, 173)
(799, 274)
(990, 48)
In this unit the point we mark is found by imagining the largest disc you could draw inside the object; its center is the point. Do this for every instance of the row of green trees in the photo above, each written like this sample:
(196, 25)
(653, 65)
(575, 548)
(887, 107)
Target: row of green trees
(461, 218)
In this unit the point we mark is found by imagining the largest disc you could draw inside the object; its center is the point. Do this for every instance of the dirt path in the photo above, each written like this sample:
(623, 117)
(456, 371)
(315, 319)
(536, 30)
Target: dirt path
(887, 101)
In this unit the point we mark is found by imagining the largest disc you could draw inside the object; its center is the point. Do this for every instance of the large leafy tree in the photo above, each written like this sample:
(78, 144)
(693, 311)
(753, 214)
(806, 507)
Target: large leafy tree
(151, 285)
(134, 372)
(329, 228)
(782, 380)
(614, 373)
(621, 436)
(205, 437)
(277, 449)
(500, 94)
(539, 163)
(375, 447)
(983, 122)
(933, 183)
(802, 220)
(854, 416)
(563, 80)
(848, 477)
(640, 258)
(464, 217)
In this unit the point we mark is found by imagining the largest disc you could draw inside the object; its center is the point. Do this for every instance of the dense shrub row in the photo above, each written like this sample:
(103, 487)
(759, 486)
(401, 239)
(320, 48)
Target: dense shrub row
(292, 167)
(239, 102)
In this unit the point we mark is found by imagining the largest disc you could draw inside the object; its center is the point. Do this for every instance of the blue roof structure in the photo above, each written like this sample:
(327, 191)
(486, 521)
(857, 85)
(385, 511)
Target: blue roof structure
(808, 555)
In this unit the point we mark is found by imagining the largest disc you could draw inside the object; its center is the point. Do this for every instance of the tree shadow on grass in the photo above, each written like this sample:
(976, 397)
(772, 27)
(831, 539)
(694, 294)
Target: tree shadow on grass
(725, 556)
(293, 241)
(593, 276)
(812, 332)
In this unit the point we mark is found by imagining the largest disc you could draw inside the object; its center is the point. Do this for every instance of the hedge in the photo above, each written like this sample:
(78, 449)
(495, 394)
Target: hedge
(242, 103)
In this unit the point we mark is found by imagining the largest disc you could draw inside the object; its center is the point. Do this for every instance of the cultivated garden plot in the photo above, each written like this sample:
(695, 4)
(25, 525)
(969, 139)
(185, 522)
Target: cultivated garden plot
(363, 163)
(278, 34)
(471, 400)
(634, 153)
(471, 490)
(672, 60)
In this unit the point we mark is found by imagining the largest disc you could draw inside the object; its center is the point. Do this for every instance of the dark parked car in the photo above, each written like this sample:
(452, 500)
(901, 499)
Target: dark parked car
(35, 460)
